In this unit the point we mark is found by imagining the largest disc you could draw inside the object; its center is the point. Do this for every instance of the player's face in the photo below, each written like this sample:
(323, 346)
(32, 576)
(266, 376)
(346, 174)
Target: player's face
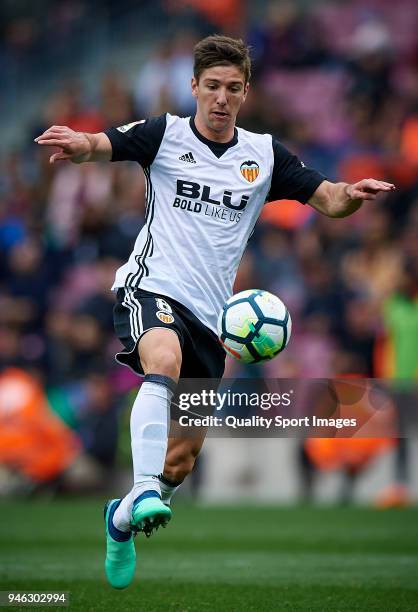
(219, 92)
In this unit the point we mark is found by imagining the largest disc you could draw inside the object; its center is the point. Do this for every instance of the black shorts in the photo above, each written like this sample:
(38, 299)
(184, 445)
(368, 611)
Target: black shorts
(137, 311)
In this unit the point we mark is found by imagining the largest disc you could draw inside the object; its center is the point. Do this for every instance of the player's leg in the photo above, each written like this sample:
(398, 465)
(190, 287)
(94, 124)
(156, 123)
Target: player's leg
(160, 355)
(203, 363)
(159, 352)
(179, 462)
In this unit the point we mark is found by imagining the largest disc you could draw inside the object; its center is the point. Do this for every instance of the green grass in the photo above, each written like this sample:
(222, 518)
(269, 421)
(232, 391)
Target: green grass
(225, 558)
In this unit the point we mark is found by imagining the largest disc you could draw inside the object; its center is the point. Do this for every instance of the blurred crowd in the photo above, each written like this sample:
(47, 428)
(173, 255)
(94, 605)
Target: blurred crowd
(338, 84)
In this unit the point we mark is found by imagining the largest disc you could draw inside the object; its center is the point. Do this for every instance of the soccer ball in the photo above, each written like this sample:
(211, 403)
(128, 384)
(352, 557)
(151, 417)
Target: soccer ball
(254, 326)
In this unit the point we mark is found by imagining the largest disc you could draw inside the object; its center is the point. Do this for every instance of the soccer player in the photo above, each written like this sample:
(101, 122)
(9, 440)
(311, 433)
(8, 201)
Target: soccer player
(207, 182)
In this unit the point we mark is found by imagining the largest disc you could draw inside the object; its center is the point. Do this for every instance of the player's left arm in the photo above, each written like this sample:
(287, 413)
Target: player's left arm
(343, 199)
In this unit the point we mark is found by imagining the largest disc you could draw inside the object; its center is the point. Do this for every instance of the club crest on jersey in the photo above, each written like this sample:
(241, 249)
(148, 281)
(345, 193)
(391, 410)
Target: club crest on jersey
(165, 317)
(250, 170)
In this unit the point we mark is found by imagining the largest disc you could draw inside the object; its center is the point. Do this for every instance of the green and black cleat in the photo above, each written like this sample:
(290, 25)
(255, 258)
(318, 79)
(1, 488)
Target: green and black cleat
(120, 550)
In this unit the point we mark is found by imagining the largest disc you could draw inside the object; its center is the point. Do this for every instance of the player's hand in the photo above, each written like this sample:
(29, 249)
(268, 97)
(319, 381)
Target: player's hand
(72, 145)
(367, 189)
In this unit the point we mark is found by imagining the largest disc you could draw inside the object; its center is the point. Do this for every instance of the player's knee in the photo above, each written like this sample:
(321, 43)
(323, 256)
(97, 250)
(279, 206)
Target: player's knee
(162, 361)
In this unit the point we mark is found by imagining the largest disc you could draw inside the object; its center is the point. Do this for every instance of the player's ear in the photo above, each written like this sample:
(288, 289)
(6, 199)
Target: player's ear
(194, 86)
(246, 88)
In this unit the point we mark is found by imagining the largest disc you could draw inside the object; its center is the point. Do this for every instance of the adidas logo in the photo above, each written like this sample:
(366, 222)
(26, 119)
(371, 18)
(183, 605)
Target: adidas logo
(188, 157)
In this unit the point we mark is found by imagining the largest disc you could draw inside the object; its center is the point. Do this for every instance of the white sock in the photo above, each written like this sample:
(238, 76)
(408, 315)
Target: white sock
(122, 515)
(167, 491)
(149, 436)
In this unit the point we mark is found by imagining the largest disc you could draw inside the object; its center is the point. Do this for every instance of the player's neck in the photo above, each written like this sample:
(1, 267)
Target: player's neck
(206, 132)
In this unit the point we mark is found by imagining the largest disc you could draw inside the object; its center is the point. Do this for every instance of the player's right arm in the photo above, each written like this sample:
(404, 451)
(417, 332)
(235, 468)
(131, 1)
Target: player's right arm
(76, 147)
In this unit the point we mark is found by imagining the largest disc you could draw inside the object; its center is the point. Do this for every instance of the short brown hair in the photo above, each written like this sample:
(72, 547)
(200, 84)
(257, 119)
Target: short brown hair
(220, 50)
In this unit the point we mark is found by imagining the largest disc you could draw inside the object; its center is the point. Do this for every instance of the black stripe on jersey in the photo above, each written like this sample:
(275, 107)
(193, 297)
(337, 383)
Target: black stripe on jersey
(149, 251)
(130, 279)
(134, 278)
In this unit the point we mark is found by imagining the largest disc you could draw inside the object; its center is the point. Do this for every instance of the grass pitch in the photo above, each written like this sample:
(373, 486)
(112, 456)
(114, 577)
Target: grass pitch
(229, 558)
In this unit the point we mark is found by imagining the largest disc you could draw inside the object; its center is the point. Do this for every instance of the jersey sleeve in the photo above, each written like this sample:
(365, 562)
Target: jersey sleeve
(291, 179)
(138, 141)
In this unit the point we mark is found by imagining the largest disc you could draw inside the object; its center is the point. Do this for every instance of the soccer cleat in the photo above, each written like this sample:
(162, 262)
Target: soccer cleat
(149, 513)
(120, 550)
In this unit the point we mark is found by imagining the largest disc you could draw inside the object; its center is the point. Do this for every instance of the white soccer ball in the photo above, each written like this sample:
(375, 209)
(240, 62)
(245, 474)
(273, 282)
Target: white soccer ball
(254, 326)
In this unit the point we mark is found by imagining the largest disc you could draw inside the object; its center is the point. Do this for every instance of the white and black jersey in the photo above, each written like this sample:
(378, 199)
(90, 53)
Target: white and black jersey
(203, 200)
